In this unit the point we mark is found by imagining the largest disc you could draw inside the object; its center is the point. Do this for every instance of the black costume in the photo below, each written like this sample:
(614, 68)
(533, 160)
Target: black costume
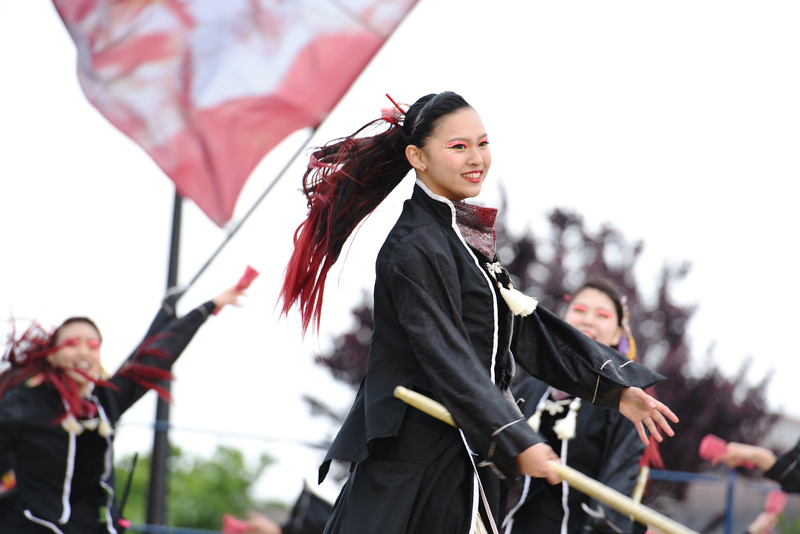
(786, 470)
(606, 447)
(65, 481)
(441, 329)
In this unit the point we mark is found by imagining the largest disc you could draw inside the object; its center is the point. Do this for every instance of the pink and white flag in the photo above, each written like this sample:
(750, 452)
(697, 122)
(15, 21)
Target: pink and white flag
(208, 87)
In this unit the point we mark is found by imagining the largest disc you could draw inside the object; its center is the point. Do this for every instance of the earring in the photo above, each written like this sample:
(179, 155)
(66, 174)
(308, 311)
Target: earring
(422, 168)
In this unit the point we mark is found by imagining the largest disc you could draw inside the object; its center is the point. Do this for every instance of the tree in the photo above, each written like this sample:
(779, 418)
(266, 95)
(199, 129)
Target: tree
(200, 490)
(548, 269)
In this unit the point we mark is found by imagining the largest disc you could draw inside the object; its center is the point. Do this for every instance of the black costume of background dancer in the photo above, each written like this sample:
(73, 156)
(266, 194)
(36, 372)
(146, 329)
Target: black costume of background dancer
(45, 502)
(786, 470)
(606, 448)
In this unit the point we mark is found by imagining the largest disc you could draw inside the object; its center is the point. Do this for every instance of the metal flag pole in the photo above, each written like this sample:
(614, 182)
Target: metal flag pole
(157, 488)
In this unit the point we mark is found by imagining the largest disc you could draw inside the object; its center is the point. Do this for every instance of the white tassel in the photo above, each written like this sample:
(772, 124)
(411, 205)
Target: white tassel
(535, 421)
(70, 424)
(104, 429)
(90, 424)
(565, 428)
(518, 302)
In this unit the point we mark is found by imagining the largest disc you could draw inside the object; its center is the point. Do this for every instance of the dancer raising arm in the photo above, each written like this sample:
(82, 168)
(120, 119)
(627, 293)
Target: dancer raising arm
(60, 426)
(443, 327)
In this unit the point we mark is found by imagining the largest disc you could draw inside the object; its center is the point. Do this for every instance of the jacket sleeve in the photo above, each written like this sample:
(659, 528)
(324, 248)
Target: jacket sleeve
(556, 353)
(158, 352)
(786, 470)
(12, 409)
(423, 281)
(620, 470)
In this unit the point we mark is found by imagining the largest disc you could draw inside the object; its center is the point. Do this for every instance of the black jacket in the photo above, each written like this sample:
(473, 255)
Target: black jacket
(65, 481)
(606, 447)
(442, 329)
(786, 470)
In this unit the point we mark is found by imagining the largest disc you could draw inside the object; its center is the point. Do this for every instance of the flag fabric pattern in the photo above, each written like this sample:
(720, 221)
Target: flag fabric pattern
(208, 87)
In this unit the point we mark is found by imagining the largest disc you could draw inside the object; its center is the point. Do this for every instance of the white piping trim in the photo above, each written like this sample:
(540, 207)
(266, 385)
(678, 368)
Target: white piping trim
(788, 470)
(596, 386)
(564, 489)
(602, 366)
(508, 522)
(506, 426)
(477, 486)
(67, 488)
(477, 263)
(46, 524)
(108, 462)
(624, 364)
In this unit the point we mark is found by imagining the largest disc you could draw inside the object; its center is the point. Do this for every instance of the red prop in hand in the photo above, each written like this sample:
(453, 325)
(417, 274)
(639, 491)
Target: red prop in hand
(244, 282)
(232, 525)
(776, 500)
(247, 278)
(713, 448)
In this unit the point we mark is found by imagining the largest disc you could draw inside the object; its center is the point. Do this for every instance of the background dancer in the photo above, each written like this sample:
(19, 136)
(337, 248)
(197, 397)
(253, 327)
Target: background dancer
(443, 322)
(600, 443)
(60, 427)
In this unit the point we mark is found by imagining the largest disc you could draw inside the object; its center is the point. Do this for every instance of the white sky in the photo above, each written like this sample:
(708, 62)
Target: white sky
(677, 123)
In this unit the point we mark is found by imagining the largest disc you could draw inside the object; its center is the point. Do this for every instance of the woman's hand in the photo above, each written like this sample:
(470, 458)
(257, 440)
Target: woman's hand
(738, 453)
(763, 524)
(535, 461)
(261, 524)
(643, 410)
(229, 296)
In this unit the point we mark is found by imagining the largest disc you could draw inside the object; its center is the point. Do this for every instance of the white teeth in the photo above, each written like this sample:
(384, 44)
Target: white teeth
(472, 175)
(82, 365)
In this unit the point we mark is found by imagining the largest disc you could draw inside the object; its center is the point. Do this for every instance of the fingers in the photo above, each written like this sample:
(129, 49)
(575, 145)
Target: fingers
(663, 409)
(642, 433)
(663, 424)
(553, 478)
(651, 425)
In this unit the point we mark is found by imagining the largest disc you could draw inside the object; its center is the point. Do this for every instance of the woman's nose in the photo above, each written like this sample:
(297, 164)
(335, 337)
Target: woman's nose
(475, 157)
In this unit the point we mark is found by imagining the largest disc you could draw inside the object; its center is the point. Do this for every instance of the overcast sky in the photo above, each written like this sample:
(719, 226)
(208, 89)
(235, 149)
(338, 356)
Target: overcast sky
(678, 124)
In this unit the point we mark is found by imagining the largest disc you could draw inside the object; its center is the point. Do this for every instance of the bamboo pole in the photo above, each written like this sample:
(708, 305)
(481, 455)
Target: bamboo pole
(576, 479)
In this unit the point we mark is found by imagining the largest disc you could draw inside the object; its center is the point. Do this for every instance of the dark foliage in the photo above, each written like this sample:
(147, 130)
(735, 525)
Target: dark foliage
(704, 399)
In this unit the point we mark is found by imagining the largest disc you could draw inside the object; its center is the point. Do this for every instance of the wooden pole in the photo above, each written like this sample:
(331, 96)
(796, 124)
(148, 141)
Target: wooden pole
(576, 479)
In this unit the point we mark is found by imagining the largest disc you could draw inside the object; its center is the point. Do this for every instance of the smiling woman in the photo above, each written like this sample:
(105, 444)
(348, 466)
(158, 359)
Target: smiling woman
(444, 313)
(58, 409)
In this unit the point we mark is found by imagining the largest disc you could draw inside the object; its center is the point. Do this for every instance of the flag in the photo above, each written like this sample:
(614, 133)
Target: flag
(208, 87)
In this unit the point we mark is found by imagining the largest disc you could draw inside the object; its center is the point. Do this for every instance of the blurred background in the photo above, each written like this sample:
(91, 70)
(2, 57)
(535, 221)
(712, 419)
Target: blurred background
(652, 143)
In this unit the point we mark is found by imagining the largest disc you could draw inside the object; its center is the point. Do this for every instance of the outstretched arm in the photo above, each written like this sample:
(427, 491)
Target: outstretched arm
(229, 296)
(737, 453)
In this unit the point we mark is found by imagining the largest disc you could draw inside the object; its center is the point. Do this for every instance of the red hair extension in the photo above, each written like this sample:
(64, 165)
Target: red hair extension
(146, 377)
(27, 356)
(344, 182)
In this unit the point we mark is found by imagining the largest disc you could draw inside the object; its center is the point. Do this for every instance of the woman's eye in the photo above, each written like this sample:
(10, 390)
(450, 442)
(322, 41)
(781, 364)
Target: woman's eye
(456, 146)
(579, 309)
(72, 342)
(484, 143)
(604, 314)
(93, 344)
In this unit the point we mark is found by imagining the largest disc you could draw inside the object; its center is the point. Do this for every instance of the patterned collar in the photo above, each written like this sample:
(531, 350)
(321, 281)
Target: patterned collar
(477, 226)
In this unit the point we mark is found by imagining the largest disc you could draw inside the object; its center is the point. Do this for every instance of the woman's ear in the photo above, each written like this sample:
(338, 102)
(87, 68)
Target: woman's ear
(617, 337)
(415, 156)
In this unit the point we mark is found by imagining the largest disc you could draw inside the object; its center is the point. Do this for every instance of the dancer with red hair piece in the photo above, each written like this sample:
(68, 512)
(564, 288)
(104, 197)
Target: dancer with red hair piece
(448, 324)
(58, 412)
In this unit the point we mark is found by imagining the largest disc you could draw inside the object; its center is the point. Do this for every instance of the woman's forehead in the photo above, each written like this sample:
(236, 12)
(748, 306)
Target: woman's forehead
(78, 329)
(594, 296)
